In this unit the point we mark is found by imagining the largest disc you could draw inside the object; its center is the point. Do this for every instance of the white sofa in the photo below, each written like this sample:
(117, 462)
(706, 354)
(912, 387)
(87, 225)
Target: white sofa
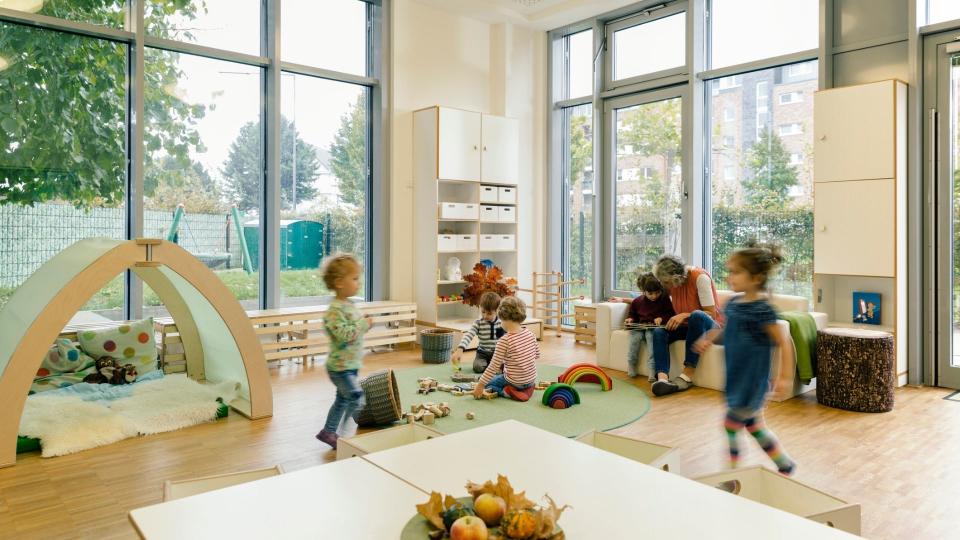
(613, 342)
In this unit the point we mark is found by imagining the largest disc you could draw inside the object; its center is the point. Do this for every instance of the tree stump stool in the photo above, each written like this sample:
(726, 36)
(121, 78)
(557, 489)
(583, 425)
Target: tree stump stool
(855, 369)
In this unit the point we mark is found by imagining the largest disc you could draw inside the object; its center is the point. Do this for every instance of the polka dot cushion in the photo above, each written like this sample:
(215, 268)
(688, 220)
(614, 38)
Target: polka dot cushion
(64, 357)
(131, 343)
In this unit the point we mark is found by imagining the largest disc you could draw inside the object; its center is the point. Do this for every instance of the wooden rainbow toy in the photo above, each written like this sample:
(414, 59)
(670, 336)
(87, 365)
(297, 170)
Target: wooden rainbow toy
(560, 396)
(588, 373)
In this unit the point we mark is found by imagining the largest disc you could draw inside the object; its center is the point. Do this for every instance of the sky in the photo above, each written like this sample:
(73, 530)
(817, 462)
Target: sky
(328, 34)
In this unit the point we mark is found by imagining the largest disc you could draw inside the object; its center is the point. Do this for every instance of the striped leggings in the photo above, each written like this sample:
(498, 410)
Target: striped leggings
(738, 419)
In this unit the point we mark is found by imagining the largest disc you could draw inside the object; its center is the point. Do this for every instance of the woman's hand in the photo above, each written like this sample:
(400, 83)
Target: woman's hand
(658, 321)
(701, 345)
(677, 320)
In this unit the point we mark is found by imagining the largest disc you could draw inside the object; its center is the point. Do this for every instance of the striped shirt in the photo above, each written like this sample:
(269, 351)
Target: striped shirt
(488, 332)
(516, 355)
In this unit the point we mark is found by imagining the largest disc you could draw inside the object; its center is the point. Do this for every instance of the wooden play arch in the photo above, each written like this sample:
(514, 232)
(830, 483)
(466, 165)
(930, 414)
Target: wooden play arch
(218, 341)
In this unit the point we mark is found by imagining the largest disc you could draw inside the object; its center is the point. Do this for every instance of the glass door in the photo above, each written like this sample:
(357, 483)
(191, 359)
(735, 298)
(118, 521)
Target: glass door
(646, 189)
(942, 170)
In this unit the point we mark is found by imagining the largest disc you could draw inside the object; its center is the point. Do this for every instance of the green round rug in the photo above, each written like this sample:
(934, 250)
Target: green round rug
(597, 410)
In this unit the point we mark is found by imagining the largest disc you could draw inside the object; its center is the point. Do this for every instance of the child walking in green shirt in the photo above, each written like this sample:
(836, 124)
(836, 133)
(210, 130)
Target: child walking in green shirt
(345, 325)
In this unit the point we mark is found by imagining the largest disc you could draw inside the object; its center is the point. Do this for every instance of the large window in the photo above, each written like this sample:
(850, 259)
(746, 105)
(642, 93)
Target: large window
(746, 30)
(225, 24)
(761, 180)
(579, 64)
(324, 173)
(648, 187)
(580, 193)
(649, 46)
(73, 133)
(204, 158)
(63, 137)
(331, 34)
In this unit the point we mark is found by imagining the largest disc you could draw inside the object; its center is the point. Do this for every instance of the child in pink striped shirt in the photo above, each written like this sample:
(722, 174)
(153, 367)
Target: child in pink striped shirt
(516, 354)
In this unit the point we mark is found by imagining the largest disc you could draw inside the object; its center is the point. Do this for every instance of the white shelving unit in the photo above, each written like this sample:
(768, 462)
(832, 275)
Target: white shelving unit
(860, 157)
(465, 195)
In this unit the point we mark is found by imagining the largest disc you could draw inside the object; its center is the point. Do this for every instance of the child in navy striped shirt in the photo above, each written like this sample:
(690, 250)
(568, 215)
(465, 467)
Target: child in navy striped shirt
(514, 361)
(487, 330)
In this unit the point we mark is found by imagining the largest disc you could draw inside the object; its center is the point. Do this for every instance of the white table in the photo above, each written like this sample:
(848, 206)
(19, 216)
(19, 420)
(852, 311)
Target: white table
(612, 497)
(344, 499)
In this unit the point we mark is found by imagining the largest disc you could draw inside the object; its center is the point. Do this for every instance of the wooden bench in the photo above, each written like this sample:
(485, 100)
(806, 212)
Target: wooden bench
(297, 332)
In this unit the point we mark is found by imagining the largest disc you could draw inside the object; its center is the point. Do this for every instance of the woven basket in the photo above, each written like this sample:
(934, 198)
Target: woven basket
(382, 397)
(437, 345)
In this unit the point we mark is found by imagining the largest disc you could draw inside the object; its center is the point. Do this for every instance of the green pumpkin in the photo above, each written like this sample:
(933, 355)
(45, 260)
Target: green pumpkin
(454, 513)
(519, 524)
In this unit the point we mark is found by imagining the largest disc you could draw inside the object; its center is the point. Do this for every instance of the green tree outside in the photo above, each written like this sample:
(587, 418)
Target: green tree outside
(243, 168)
(773, 176)
(63, 106)
(348, 154)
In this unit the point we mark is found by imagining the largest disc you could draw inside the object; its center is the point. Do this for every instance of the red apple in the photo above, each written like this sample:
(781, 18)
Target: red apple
(490, 509)
(468, 528)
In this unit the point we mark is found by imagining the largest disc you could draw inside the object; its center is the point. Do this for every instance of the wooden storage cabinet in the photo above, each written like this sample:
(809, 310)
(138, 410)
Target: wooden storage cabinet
(859, 205)
(854, 132)
(465, 164)
(501, 147)
(853, 223)
(459, 148)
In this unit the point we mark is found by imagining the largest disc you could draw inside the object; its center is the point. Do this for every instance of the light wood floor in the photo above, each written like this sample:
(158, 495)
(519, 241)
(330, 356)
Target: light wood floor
(902, 467)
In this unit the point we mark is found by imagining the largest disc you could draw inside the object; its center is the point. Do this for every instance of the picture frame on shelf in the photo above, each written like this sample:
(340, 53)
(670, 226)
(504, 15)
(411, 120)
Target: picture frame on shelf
(866, 307)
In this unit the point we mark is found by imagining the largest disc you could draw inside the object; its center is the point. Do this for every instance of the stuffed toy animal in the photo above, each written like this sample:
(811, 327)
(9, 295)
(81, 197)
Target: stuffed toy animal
(124, 375)
(108, 370)
(105, 366)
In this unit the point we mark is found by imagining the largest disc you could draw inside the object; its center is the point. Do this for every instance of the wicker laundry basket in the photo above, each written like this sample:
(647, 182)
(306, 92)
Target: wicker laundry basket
(437, 345)
(382, 397)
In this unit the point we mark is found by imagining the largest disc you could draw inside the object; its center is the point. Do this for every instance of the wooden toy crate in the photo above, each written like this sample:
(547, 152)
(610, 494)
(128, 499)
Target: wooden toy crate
(773, 489)
(384, 439)
(585, 323)
(655, 455)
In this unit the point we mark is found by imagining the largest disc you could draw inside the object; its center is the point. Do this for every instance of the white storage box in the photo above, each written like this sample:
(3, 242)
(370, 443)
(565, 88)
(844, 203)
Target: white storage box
(446, 242)
(489, 213)
(506, 241)
(508, 214)
(773, 489)
(655, 455)
(489, 194)
(507, 195)
(451, 210)
(466, 242)
(384, 439)
(489, 241)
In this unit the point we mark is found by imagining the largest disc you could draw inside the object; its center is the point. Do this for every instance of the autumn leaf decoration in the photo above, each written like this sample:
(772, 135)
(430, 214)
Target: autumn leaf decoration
(483, 280)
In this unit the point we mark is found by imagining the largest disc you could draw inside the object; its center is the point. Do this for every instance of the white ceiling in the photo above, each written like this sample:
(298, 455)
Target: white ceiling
(538, 14)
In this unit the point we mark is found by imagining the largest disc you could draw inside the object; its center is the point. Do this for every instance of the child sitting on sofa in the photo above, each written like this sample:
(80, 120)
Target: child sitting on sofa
(653, 306)
(516, 354)
(487, 329)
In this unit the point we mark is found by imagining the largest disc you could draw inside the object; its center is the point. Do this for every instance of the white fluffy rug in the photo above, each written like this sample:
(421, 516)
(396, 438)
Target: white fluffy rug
(66, 424)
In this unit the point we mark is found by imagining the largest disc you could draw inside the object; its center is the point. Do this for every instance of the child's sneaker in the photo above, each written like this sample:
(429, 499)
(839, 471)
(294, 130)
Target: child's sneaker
(329, 438)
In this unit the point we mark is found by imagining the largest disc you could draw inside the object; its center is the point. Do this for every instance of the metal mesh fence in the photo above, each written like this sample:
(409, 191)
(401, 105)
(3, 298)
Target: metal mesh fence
(30, 235)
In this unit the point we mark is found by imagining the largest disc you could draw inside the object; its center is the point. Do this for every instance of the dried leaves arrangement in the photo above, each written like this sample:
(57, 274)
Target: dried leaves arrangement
(546, 515)
(483, 280)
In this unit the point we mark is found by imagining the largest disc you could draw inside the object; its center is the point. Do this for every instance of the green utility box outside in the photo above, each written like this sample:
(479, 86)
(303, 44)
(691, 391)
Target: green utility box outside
(301, 243)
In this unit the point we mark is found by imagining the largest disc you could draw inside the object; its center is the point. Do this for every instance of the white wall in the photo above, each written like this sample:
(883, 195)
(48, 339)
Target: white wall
(442, 58)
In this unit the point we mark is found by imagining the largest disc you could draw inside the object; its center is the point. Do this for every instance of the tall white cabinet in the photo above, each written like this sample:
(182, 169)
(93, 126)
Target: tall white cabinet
(859, 215)
(465, 168)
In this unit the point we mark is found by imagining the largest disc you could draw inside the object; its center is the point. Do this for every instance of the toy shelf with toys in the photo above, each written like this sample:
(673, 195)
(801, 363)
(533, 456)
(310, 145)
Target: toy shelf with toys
(465, 195)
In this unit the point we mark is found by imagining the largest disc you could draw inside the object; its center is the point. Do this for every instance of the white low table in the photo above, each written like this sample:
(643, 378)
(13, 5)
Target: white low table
(344, 499)
(611, 497)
